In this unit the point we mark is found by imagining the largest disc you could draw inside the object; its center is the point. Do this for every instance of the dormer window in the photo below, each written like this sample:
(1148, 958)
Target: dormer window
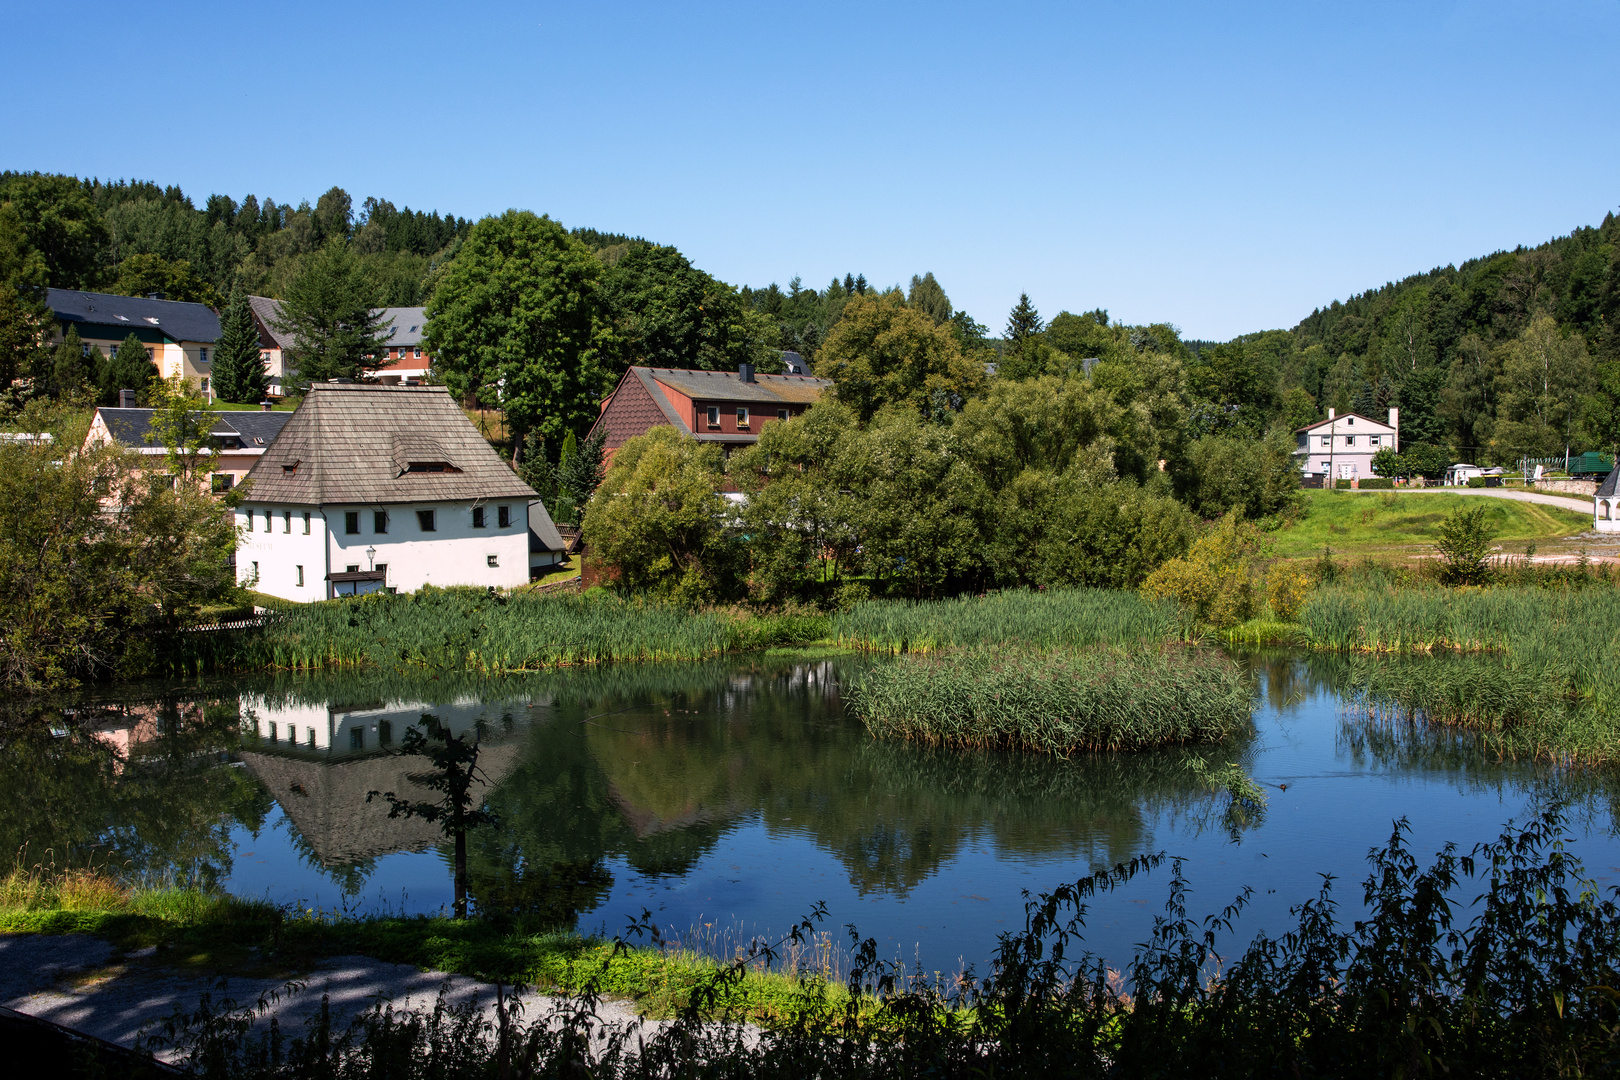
(290, 468)
(431, 466)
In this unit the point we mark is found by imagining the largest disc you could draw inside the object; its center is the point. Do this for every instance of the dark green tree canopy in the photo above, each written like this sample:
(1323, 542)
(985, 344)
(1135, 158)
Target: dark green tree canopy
(238, 373)
(331, 315)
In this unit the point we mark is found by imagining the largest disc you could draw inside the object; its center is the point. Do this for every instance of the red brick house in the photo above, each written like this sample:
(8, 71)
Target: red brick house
(726, 407)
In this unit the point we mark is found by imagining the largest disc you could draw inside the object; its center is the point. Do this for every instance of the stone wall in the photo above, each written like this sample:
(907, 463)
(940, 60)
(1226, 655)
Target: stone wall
(1584, 488)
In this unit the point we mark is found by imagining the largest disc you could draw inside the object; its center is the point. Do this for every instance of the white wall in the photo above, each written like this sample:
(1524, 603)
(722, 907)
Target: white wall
(454, 554)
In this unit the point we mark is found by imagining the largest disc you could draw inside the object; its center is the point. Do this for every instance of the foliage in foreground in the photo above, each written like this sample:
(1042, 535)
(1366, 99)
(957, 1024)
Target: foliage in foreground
(1516, 983)
(1059, 702)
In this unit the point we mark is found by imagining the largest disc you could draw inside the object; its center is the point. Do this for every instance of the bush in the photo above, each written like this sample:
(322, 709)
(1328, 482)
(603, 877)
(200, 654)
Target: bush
(1212, 580)
(1256, 477)
(1464, 541)
(1286, 589)
(1377, 485)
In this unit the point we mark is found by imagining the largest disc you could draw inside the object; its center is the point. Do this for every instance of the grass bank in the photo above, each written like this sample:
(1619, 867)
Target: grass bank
(1057, 702)
(1365, 523)
(215, 933)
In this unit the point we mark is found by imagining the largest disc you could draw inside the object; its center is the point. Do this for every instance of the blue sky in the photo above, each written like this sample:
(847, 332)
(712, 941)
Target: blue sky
(1225, 167)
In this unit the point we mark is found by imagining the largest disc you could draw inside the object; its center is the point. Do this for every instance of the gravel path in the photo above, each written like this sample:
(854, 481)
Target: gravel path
(83, 983)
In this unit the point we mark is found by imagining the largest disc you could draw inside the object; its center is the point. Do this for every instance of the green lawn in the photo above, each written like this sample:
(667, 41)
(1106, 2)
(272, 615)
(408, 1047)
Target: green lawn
(231, 406)
(1368, 522)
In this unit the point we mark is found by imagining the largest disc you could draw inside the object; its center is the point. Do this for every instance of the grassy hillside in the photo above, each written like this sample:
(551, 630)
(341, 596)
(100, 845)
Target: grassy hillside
(1367, 523)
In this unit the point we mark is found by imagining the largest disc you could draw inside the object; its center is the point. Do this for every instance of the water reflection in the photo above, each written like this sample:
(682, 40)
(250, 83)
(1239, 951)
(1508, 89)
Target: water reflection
(647, 771)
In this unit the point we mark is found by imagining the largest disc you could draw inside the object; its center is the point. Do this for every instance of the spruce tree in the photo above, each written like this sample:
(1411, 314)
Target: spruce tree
(69, 368)
(238, 366)
(1023, 324)
(130, 368)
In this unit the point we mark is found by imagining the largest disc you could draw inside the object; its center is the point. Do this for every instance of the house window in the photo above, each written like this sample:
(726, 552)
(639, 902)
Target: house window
(352, 568)
(300, 570)
(84, 348)
(269, 522)
(382, 568)
(781, 414)
(503, 516)
(385, 732)
(351, 522)
(492, 560)
(1351, 421)
(205, 384)
(742, 416)
(311, 732)
(202, 358)
(1327, 440)
(1349, 440)
(255, 571)
(416, 354)
(357, 738)
(426, 521)
(714, 416)
(1372, 440)
(478, 517)
(1324, 468)
(379, 521)
(222, 481)
(272, 731)
(306, 522)
(286, 521)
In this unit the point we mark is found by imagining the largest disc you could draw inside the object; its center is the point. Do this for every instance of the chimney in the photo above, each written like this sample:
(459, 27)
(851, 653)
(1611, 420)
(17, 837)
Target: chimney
(265, 406)
(1395, 422)
(746, 371)
(1330, 413)
(126, 399)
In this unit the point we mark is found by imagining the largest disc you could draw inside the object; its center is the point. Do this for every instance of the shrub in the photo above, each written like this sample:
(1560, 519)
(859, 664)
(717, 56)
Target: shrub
(1212, 580)
(1464, 541)
(1286, 589)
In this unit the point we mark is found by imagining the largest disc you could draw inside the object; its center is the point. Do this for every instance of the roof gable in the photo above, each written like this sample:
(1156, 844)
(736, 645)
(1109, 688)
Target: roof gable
(1610, 485)
(175, 319)
(1340, 419)
(356, 442)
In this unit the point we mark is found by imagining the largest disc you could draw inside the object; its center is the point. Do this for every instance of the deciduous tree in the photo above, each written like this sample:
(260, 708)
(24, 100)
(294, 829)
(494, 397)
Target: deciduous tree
(884, 353)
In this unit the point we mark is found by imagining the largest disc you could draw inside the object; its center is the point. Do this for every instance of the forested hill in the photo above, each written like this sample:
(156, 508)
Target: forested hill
(1513, 353)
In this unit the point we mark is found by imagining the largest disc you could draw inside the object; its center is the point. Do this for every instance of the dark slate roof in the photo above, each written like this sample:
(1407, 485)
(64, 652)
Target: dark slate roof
(796, 364)
(1610, 485)
(345, 442)
(258, 429)
(268, 313)
(543, 534)
(179, 321)
(405, 324)
(729, 386)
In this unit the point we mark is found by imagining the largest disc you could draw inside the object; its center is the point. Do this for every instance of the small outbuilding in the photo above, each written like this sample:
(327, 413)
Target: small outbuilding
(1606, 504)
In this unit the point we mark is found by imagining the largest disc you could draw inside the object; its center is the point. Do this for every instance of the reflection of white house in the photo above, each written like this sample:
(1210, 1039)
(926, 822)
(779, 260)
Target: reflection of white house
(1343, 446)
(1606, 504)
(372, 487)
(292, 726)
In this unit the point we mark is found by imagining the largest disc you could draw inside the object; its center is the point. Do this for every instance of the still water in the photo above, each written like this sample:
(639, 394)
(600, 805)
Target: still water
(728, 798)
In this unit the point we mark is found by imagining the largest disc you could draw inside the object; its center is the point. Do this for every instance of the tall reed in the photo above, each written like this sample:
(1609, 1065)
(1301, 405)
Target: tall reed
(1047, 619)
(1058, 702)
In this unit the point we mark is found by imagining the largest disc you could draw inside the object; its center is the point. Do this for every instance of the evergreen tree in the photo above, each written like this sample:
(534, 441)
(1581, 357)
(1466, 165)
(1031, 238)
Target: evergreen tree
(238, 366)
(70, 370)
(328, 312)
(130, 368)
(928, 296)
(1023, 324)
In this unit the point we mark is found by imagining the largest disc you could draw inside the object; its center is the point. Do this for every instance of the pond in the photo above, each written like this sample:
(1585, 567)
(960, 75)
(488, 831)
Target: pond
(727, 798)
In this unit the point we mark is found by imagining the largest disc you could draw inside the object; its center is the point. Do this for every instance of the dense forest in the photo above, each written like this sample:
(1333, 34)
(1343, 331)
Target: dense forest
(1503, 356)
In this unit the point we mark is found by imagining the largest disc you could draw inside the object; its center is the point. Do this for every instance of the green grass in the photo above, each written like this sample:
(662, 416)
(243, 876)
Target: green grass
(232, 406)
(1059, 617)
(220, 934)
(1355, 523)
(1059, 702)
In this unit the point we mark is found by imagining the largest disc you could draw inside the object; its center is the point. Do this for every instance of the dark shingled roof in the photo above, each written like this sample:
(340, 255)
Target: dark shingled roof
(543, 534)
(268, 314)
(729, 386)
(176, 320)
(340, 447)
(1610, 485)
(258, 429)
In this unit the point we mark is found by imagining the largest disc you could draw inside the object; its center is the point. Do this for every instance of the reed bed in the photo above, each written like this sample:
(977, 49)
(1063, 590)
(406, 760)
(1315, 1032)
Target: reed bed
(1071, 618)
(465, 630)
(1058, 702)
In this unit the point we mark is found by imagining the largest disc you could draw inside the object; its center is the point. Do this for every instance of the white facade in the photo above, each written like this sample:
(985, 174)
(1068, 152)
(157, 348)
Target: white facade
(1343, 446)
(292, 551)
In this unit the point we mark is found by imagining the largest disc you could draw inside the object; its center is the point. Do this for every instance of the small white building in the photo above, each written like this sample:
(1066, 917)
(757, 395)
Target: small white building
(1459, 474)
(1343, 446)
(381, 487)
(1606, 504)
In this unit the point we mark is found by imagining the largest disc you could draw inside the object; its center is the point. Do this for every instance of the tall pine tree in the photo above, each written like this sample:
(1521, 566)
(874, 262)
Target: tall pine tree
(238, 366)
(1023, 323)
(130, 368)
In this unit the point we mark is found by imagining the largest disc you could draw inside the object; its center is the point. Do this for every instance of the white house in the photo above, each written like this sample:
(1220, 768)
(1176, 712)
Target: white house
(370, 487)
(1606, 504)
(1343, 446)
